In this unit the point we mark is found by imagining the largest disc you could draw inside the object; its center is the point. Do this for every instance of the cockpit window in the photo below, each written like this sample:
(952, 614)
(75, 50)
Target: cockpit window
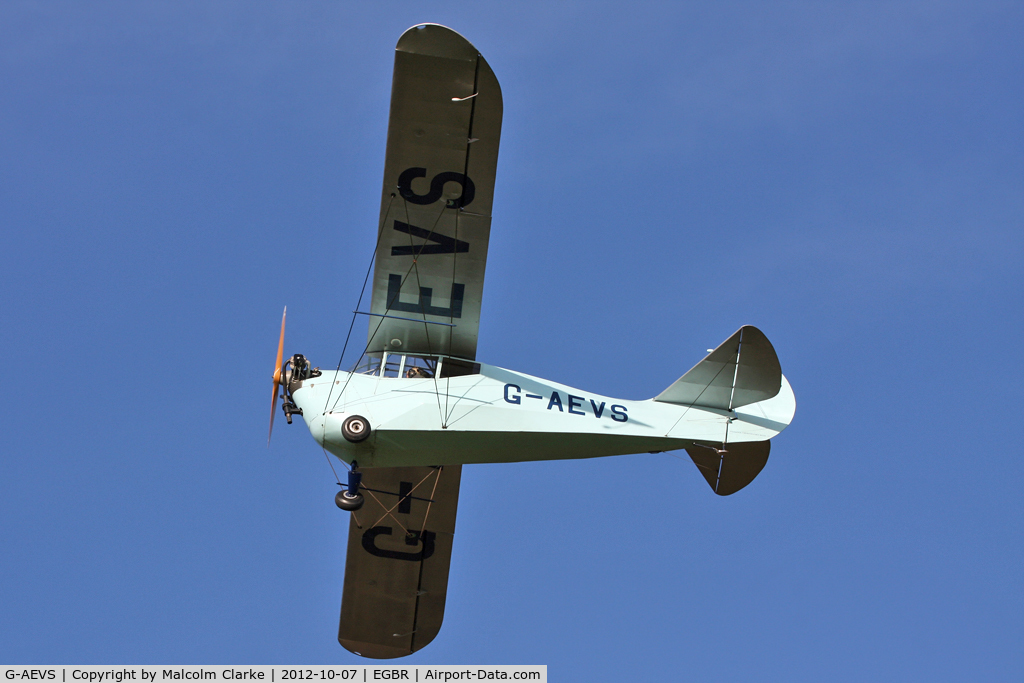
(392, 365)
(367, 365)
(420, 367)
(383, 364)
(455, 367)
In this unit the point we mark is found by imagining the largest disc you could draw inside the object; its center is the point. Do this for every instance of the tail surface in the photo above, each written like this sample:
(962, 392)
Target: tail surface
(730, 468)
(742, 370)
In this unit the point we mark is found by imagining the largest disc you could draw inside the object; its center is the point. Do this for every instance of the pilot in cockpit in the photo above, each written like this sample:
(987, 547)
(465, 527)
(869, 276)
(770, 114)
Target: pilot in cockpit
(418, 373)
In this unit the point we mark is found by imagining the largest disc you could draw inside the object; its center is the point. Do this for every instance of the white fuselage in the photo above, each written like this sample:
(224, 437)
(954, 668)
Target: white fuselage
(505, 416)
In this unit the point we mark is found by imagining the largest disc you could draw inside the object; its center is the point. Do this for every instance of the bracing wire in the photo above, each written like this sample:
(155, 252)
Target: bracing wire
(706, 387)
(455, 255)
(442, 412)
(419, 288)
(389, 304)
(380, 232)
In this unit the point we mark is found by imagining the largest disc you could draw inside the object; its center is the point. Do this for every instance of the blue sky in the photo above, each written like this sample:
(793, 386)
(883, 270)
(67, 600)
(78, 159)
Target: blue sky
(847, 177)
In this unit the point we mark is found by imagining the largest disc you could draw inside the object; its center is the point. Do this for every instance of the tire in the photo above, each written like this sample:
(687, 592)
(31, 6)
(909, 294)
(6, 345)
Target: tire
(348, 501)
(355, 428)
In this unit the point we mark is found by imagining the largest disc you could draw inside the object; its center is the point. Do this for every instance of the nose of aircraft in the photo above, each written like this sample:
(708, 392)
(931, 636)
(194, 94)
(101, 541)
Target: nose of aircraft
(327, 429)
(317, 427)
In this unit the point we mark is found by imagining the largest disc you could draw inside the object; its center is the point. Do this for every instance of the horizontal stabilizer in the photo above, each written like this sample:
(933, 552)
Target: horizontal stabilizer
(732, 467)
(742, 370)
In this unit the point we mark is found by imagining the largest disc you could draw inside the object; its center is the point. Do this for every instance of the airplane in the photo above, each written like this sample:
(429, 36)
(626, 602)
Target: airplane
(417, 406)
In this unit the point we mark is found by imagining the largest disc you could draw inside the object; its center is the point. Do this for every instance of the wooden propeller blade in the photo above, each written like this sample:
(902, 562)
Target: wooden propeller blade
(277, 375)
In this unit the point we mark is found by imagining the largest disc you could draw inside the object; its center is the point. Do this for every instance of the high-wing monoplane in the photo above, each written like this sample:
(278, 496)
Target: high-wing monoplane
(418, 405)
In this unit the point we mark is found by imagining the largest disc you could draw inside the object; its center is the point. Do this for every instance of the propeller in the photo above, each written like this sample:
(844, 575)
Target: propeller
(277, 376)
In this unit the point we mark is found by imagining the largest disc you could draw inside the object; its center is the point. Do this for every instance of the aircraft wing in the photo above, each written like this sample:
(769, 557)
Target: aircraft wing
(442, 153)
(399, 552)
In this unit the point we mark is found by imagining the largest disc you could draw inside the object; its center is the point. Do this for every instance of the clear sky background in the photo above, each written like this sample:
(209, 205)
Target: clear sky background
(848, 177)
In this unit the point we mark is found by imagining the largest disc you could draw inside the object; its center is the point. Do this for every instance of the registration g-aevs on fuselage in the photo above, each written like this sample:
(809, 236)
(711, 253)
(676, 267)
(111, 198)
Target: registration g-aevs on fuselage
(418, 405)
(497, 415)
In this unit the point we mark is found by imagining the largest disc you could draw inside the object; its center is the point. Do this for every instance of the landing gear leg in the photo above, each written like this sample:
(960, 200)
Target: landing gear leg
(350, 499)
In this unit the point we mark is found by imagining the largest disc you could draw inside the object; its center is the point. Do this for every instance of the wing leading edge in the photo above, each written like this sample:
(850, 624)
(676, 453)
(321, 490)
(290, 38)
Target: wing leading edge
(442, 154)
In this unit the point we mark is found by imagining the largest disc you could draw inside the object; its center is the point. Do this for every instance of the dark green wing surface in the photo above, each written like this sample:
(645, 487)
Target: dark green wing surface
(442, 153)
(399, 552)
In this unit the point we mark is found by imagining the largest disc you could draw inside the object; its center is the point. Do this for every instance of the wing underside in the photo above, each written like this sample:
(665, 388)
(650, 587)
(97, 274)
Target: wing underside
(399, 553)
(442, 153)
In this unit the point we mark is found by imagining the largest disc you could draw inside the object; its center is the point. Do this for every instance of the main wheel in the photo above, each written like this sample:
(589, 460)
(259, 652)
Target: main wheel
(348, 501)
(355, 428)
